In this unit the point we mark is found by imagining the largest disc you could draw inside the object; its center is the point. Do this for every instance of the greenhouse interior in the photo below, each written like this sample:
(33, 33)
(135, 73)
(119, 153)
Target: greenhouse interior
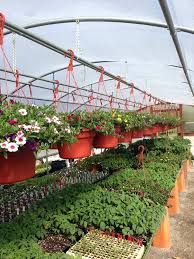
(97, 129)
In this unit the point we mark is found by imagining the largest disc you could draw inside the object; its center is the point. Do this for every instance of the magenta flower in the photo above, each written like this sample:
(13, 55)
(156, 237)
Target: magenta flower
(12, 122)
(12, 101)
(98, 127)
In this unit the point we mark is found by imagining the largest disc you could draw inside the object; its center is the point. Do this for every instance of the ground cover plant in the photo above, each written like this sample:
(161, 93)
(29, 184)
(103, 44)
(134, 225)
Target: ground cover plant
(130, 201)
(72, 210)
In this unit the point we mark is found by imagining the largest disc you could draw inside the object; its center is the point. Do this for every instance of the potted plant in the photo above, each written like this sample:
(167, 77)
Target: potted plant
(138, 125)
(23, 131)
(125, 122)
(80, 132)
(150, 124)
(106, 132)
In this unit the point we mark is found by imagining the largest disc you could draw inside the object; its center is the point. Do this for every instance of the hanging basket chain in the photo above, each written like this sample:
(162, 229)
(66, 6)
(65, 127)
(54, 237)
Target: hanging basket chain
(14, 52)
(77, 39)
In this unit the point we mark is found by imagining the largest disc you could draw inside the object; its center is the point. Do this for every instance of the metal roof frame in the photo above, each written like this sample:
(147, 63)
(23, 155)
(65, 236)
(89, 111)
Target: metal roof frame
(173, 33)
(83, 88)
(173, 29)
(53, 47)
(169, 25)
(104, 19)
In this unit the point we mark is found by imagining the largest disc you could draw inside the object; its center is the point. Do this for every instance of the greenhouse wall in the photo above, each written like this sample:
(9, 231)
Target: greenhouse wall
(188, 117)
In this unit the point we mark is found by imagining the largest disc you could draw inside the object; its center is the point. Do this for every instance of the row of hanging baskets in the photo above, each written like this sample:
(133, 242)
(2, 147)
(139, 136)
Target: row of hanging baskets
(13, 168)
(25, 129)
(88, 139)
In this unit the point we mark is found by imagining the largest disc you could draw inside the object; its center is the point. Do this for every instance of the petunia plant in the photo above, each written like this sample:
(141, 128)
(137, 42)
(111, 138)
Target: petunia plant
(29, 125)
(103, 122)
(79, 120)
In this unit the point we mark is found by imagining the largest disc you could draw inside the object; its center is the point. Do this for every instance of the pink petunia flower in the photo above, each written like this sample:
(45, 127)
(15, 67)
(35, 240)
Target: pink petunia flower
(12, 147)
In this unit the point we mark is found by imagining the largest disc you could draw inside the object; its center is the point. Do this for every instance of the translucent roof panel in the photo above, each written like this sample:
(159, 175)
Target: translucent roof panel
(24, 12)
(144, 55)
(183, 12)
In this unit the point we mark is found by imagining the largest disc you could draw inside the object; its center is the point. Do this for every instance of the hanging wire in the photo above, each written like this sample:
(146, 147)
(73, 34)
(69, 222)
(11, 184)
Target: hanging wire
(14, 64)
(77, 39)
(126, 70)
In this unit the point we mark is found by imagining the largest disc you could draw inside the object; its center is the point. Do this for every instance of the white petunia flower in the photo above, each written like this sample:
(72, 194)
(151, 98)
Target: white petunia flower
(68, 130)
(20, 133)
(23, 112)
(34, 105)
(56, 131)
(36, 129)
(48, 120)
(20, 140)
(34, 123)
(55, 118)
(57, 122)
(4, 144)
(27, 127)
(12, 147)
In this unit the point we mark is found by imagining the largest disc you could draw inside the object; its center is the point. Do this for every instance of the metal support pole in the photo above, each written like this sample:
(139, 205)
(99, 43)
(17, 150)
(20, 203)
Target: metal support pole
(26, 34)
(168, 17)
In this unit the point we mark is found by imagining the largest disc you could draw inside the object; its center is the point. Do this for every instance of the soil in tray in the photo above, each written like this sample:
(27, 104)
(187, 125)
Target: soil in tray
(55, 243)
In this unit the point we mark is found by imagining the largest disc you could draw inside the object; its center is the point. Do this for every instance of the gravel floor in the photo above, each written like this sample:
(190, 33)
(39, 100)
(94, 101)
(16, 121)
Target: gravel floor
(182, 228)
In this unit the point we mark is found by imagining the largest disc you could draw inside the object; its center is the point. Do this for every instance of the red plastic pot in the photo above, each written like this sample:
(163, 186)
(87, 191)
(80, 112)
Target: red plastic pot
(105, 141)
(160, 128)
(137, 134)
(148, 132)
(81, 148)
(18, 167)
(126, 137)
(156, 129)
(165, 128)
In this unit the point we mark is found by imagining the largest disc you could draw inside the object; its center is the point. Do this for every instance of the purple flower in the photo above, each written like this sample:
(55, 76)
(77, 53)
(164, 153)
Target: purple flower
(32, 145)
(1, 112)
(10, 136)
(12, 101)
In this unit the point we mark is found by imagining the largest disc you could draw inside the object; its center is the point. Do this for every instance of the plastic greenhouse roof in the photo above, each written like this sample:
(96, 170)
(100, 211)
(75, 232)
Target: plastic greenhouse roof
(111, 33)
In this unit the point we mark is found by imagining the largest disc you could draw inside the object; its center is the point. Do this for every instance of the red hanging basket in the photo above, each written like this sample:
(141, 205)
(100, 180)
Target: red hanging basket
(137, 134)
(18, 167)
(160, 128)
(156, 129)
(105, 141)
(81, 148)
(148, 132)
(164, 128)
(126, 137)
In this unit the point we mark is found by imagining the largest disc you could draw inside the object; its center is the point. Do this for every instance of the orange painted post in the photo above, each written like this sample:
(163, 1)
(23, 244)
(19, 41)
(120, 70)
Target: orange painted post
(162, 237)
(188, 164)
(173, 201)
(181, 181)
(185, 166)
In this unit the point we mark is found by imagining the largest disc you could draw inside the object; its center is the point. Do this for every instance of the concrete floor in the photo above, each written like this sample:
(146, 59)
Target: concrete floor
(182, 227)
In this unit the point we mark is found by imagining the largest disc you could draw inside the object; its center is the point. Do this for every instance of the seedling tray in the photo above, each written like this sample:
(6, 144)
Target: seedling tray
(95, 245)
